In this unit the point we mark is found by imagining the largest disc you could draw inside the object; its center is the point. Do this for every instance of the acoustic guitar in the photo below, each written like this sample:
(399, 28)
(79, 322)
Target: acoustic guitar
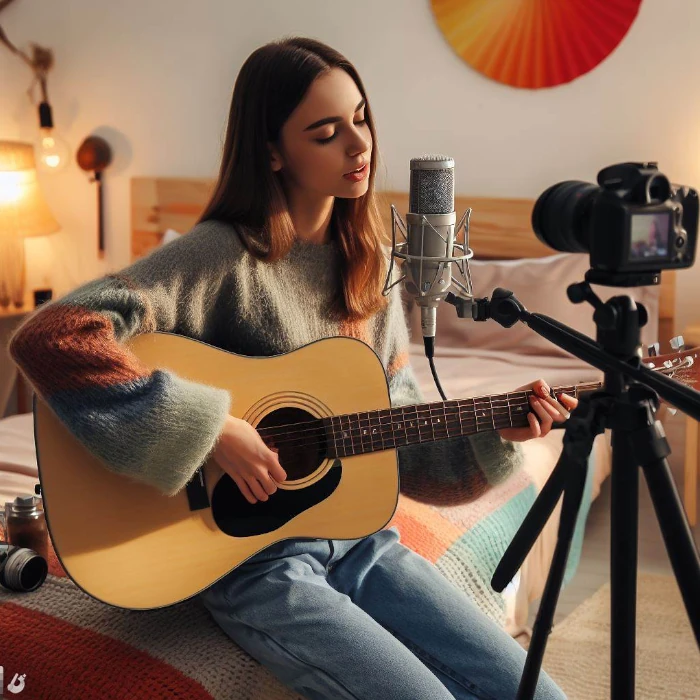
(324, 406)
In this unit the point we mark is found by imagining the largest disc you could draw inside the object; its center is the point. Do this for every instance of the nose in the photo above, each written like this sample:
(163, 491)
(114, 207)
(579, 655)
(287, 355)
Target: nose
(359, 144)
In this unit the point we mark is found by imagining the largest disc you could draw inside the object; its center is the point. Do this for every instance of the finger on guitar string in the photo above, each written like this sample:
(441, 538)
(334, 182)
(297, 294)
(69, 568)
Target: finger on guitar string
(542, 390)
(543, 414)
(562, 413)
(534, 424)
(254, 482)
(244, 489)
(269, 484)
(275, 469)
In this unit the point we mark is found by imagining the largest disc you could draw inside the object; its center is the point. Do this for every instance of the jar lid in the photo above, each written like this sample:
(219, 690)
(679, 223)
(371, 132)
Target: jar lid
(26, 504)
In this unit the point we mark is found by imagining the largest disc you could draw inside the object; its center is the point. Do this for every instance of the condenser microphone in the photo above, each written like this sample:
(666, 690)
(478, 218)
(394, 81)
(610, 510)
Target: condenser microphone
(430, 224)
(430, 233)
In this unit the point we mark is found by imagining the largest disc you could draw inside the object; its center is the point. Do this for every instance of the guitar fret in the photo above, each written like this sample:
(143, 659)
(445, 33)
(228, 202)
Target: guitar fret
(381, 428)
(510, 415)
(493, 418)
(335, 438)
(369, 432)
(377, 430)
(441, 424)
(363, 433)
(350, 435)
(366, 433)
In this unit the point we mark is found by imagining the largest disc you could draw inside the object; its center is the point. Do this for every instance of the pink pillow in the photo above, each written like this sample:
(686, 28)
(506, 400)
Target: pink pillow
(540, 285)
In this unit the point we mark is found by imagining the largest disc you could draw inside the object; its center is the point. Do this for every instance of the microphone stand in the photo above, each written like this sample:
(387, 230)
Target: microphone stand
(626, 404)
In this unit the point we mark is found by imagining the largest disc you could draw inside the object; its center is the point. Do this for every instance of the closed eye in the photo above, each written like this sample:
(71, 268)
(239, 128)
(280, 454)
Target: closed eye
(333, 135)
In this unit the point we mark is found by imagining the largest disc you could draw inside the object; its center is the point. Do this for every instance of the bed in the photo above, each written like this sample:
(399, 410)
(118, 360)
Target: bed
(69, 645)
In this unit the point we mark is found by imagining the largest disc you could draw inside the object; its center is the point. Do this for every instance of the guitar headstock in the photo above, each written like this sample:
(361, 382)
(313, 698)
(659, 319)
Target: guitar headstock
(681, 365)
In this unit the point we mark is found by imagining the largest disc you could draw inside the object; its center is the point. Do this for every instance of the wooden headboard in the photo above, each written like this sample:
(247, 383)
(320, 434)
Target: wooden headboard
(499, 228)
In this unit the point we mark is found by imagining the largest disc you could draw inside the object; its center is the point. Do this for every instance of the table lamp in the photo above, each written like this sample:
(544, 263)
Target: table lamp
(23, 213)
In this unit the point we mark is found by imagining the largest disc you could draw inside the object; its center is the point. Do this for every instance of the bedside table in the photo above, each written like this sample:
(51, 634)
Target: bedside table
(691, 336)
(10, 318)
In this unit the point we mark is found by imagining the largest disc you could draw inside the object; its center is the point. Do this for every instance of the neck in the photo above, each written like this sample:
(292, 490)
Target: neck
(311, 216)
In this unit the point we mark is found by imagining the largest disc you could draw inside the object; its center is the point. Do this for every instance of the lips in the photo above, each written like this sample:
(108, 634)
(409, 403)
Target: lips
(357, 170)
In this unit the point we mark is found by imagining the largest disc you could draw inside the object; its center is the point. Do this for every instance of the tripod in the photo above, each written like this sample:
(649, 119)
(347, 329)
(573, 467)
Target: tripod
(628, 408)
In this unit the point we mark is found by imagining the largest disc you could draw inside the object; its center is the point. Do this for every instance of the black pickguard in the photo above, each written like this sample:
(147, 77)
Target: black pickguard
(236, 517)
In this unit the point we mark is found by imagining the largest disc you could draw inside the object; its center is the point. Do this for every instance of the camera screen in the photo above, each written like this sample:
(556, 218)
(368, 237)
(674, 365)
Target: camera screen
(650, 234)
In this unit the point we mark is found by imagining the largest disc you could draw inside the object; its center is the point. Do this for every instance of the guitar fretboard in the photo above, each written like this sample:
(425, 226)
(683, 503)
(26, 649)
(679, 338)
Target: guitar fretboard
(371, 431)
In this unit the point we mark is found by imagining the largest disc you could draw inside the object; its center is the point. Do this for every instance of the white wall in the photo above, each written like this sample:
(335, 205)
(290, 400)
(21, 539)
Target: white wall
(155, 79)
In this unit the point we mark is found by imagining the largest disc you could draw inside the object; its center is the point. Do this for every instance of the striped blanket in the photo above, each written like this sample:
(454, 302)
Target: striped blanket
(71, 647)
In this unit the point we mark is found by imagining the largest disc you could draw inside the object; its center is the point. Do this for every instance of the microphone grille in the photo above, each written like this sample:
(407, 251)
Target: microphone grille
(432, 188)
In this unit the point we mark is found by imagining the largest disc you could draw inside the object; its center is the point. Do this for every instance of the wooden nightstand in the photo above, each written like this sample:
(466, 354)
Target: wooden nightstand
(10, 318)
(691, 336)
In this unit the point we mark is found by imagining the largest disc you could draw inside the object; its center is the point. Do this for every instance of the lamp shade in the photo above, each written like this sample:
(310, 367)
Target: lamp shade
(23, 211)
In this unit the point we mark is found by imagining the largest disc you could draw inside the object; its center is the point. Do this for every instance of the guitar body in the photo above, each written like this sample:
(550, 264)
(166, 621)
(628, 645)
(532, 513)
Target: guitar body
(128, 545)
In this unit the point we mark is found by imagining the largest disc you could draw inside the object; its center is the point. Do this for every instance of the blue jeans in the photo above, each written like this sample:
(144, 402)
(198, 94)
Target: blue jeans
(366, 619)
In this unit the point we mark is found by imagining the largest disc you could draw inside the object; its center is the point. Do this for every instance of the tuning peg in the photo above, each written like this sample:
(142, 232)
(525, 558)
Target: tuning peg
(668, 364)
(677, 342)
(653, 350)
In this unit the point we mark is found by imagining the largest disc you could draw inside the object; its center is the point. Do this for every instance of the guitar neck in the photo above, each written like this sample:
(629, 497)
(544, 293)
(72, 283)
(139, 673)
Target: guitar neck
(371, 431)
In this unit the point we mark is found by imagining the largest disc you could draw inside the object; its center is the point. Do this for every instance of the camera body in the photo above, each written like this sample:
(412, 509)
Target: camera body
(633, 223)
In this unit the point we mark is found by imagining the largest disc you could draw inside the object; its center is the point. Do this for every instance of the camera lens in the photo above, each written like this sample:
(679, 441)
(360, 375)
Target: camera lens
(561, 214)
(24, 570)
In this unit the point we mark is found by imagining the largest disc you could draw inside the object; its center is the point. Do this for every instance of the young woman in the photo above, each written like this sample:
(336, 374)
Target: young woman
(288, 251)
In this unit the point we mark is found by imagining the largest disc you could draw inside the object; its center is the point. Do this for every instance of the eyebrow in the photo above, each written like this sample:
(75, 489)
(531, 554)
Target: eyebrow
(332, 120)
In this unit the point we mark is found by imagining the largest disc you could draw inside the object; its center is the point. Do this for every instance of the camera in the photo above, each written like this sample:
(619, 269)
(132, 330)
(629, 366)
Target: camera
(21, 569)
(634, 224)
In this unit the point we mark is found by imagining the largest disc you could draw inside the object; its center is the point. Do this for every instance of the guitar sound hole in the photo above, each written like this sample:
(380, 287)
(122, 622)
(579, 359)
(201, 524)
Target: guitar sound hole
(300, 438)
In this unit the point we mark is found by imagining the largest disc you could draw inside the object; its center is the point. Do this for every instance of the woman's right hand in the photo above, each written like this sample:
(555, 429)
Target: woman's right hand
(242, 454)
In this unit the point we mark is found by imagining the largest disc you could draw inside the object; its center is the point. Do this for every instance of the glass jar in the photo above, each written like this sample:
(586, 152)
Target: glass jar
(25, 524)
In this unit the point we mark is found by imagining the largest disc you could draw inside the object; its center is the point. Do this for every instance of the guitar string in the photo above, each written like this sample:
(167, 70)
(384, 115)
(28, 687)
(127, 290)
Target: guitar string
(434, 411)
(471, 405)
(460, 420)
(358, 444)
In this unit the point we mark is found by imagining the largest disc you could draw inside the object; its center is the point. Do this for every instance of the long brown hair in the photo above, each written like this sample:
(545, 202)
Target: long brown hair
(249, 194)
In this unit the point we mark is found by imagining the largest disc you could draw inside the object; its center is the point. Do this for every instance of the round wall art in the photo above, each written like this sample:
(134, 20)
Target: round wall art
(534, 43)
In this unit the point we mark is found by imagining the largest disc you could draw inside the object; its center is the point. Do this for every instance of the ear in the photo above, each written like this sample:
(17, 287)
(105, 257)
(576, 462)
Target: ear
(276, 161)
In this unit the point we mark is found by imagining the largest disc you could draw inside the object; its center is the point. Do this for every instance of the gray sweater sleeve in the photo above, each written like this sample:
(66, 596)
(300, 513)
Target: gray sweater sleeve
(152, 426)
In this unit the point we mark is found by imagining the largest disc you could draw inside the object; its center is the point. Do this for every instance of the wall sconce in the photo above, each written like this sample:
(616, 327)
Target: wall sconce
(94, 155)
(23, 213)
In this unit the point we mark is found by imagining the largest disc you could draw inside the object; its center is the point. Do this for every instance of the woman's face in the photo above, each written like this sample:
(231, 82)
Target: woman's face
(324, 138)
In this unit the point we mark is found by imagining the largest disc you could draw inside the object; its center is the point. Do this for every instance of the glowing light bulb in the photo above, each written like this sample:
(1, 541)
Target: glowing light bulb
(52, 151)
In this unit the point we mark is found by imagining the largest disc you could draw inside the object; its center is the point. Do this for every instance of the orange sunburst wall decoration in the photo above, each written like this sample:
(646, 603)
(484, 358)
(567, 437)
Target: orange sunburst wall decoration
(534, 43)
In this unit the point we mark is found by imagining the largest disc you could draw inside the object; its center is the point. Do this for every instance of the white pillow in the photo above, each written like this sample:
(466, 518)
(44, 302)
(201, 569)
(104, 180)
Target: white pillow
(540, 285)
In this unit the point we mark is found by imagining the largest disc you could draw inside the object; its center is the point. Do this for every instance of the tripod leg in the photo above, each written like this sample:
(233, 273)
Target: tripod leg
(624, 518)
(678, 538)
(573, 494)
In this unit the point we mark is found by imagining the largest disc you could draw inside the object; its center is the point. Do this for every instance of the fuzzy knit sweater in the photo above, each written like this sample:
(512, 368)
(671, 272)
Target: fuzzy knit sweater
(157, 427)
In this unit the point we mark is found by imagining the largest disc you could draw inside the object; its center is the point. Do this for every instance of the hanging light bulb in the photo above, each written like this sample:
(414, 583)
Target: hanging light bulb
(51, 150)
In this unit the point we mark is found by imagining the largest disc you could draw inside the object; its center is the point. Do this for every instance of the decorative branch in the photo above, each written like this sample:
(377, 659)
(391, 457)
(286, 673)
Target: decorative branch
(40, 62)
